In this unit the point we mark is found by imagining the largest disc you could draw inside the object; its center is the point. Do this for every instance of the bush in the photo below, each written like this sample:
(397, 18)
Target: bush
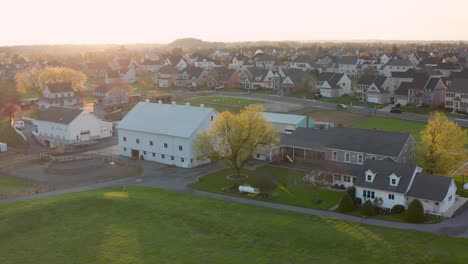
(346, 204)
(267, 184)
(398, 209)
(357, 202)
(368, 209)
(351, 191)
(415, 213)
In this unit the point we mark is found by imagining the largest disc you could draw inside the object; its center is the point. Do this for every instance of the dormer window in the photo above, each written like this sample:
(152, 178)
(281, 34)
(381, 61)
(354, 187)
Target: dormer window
(394, 179)
(370, 176)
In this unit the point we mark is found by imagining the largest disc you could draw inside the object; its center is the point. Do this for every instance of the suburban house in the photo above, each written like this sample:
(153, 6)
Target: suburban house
(57, 94)
(294, 80)
(456, 96)
(112, 76)
(423, 89)
(196, 77)
(260, 78)
(417, 56)
(399, 184)
(239, 62)
(62, 126)
(398, 65)
(128, 74)
(265, 61)
(386, 57)
(374, 89)
(204, 63)
(149, 65)
(168, 76)
(176, 61)
(111, 95)
(164, 132)
(302, 63)
(333, 84)
(229, 78)
(348, 65)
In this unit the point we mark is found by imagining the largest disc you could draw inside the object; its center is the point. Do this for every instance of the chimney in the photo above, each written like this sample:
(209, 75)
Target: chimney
(202, 105)
(159, 102)
(187, 104)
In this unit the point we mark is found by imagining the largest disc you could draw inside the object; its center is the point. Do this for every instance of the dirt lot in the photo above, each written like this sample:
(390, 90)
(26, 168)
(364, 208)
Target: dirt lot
(337, 117)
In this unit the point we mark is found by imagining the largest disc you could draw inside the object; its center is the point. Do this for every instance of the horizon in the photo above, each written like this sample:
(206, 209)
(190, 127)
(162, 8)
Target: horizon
(54, 22)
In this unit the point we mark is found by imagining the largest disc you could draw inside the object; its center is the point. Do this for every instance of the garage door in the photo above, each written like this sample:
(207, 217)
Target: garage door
(325, 93)
(373, 99)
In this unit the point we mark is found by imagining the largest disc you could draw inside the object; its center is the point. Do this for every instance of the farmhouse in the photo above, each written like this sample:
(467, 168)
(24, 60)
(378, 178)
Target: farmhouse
(63, 126)
(164, 132)
(57, 94)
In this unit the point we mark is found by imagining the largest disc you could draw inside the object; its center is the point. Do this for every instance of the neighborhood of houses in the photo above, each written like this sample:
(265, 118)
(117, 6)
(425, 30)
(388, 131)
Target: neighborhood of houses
(378, 164)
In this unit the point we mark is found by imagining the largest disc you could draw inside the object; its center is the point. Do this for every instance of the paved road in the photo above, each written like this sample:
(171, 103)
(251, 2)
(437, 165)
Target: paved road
(172, 178)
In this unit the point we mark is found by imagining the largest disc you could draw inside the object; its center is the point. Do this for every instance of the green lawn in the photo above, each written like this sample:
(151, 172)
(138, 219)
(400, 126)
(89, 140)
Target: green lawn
(230, 101)
(8, 134)
(296, 193)
(144, 225)
(347, 100)
(392, 125)
(10, 183)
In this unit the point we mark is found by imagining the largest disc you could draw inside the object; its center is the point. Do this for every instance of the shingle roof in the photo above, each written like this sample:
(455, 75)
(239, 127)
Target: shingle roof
(324, 76)
(296, 75)
(60, 87)
(166, 119)
(383, 169)
(58, 114)
(403, 88)
(352, 139)
(302, 59)
(399, 62)
(168, 69)
(458, 86)
(348, 60)
(429, 187)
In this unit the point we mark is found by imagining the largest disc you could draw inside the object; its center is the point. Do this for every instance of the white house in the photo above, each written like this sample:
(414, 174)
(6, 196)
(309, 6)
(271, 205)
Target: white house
(334, 84)
(164, 133)
(63, 126)
(57, 94)
(398, 65)
(204, 63)
(399, 184)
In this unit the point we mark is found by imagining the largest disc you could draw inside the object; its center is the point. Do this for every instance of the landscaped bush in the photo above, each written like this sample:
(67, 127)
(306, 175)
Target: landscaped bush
(358, 202)
(368, 209)
(415, 212)
(351, 191)
(346, 204)
(267, 184)
(398, 209)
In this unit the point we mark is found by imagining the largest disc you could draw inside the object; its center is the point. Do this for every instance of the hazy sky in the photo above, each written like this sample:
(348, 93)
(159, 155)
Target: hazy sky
(145, 21)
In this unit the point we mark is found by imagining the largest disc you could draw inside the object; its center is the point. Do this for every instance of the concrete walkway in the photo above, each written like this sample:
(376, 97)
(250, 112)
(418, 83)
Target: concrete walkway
(176, 179)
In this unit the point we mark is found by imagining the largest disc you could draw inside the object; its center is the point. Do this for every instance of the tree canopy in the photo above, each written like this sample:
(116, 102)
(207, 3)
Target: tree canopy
(442, 147)
(235, 138)
(34, 78)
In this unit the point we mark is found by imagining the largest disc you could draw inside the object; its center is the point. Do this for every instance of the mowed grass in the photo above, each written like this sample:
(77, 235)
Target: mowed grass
(9, 183)
(8, 134)
(392, 125)
(231, 101)
(144, 225)
(295, 191)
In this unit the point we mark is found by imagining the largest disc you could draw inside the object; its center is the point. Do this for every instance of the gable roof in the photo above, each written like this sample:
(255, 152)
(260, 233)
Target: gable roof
(302, 59)
(403, 88)
(59, 114)
(60, 87)
(383, 169)
(458, 86)
(297, 76)
(429, 187)
(168, 69)
(348, 60)
(352, 139)
(166, 119)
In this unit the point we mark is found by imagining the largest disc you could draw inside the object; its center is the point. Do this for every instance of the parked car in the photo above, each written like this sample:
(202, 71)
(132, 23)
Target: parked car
(219, 87)
(317, 96)
(398, 105)
(341, 106)
(395, 111)
(19, 124)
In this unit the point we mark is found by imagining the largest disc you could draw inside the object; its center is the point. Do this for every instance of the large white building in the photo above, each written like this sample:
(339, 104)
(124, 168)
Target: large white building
(62, 126)
(164, 132)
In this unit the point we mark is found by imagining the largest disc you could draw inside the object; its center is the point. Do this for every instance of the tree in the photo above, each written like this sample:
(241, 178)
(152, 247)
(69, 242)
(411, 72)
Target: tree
(442, 147)
(415, 212)
(34, 78)
(235, 138)
(346, 204)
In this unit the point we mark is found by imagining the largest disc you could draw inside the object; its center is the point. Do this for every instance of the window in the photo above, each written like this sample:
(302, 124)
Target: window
(172, 157)
(163, 156)
(391, 196)
(347, 157)
(393, 182)
(360, 159)
(182, 159)
(450, 198)
(373, 158)
(124, 139)
(125, 149)
(165, 145)
(404, 160)
(346, 178)
(353, 179)
(137, 141)
(335, 155)
(154, 154)
(144, 152)
(212, 118)
(151, 143)
(181, 148)
(369, 178)
(191, 160)
(368, 194)
(336, 177)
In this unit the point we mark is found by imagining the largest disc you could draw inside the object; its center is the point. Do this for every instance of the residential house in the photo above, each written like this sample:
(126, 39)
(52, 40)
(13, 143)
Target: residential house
(128, 75)
(374, 89)
(302, 62)
(295, 80)
(260, 78)
(424, 89)
(240, 62)
(164, 133)
(334, 84)
(399, 184)
(398, 65)
(62, 126)
(417, 56)
(386, 57)
(176, 61)
(228, 78)
(148, 65)
(456, 96)
(112, 76)
(348, 65)
(111, 95)
(265, 61)
(204, 63)
(168, 76)
(57, 94)
(197, 77)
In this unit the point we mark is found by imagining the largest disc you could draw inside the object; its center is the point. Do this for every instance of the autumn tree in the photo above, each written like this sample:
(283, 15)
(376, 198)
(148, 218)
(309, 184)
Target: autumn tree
(34, 78)
(442, 146)
(235, 138)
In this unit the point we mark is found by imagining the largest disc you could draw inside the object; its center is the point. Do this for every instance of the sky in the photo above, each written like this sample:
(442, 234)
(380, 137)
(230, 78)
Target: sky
(25, 22)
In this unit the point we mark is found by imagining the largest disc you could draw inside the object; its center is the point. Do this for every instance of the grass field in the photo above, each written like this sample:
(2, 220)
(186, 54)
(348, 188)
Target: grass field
(296, 192)
(347, 100)
(9, 183)
(8, 134)
(144, 225)
(392, 125)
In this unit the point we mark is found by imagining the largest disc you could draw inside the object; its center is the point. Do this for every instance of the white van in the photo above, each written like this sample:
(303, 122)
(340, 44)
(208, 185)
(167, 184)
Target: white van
(19, 124)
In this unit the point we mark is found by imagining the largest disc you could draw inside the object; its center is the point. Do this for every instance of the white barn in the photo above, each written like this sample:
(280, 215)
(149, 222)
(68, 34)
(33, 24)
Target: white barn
(164, 133)
(63, 126)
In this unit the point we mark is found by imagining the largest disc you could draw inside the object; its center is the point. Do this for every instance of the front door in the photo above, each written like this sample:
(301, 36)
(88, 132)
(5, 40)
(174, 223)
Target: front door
(135, 153)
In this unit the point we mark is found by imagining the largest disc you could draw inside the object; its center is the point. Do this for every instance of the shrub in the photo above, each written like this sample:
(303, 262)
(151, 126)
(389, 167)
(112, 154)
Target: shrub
(415, 212)
(368, 209)
(357, 202)
(398, 209)
(351, 191)
(267, 184)
(346, 204)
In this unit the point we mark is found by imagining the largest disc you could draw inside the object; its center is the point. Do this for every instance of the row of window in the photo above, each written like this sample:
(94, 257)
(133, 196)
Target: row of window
(371, 195)
(163, 156)
(345, 178)
(151, 143)
(348, 157)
